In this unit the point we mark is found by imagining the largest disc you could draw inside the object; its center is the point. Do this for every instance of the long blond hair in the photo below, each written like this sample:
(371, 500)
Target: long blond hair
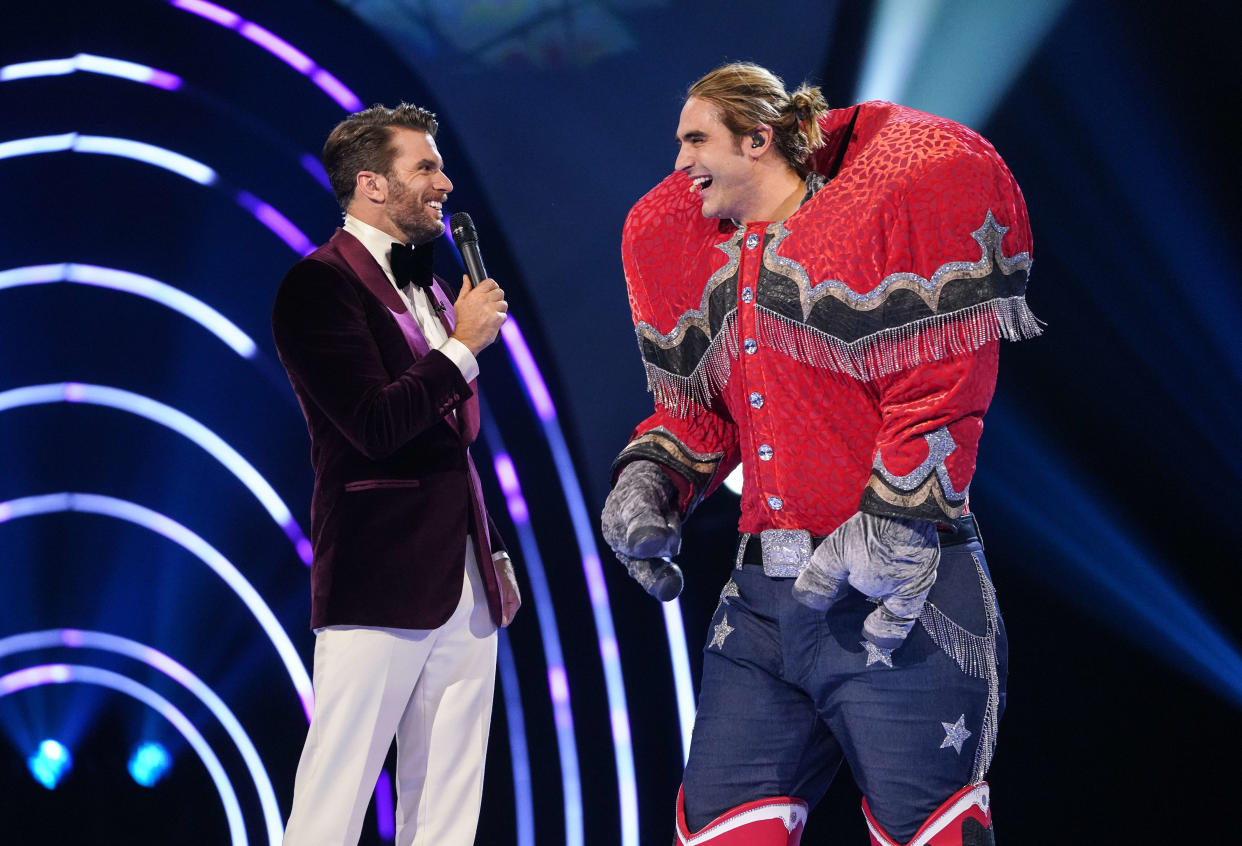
(747, 95)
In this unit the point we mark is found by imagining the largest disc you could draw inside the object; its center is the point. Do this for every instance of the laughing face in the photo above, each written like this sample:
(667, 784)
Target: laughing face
(714, 159)
(417, 187)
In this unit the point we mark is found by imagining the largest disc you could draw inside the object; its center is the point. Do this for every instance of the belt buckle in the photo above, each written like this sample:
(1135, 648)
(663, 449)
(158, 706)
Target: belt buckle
(786, 552)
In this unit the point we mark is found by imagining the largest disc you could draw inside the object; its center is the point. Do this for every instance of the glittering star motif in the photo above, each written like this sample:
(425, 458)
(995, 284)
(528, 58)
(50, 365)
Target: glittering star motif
(877, 655)
(955, 734)
(730, 590)
(720, 632)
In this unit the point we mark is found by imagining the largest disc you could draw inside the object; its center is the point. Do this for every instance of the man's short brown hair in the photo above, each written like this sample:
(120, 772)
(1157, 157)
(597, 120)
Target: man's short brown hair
(363, 142)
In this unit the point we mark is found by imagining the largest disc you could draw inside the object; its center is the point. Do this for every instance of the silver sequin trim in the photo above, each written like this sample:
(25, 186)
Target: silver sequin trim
(940, 445)
(988, 237)
(976, 657)
(729, 592)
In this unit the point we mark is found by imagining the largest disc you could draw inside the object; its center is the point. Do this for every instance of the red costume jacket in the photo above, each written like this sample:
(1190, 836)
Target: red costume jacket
(846, 355)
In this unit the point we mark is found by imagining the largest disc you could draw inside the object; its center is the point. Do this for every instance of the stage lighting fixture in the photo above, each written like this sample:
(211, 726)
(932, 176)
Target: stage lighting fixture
(50, 763)
(149, 763)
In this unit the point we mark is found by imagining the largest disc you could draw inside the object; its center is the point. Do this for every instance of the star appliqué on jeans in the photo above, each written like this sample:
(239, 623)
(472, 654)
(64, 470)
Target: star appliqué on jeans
(955, 734)
(730, 590)
(720, 632)
(877, 655)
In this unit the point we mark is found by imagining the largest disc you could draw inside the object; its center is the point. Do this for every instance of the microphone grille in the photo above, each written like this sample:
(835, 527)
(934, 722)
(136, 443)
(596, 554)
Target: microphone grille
(462, 227)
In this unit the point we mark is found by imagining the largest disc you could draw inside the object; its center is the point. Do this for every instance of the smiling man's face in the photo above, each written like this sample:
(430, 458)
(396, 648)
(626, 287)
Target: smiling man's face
(417, 187)
(714, 159)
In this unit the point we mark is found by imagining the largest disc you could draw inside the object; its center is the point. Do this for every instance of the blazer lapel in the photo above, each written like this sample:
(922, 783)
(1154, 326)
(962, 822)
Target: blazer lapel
(364, 265)
(372, 275)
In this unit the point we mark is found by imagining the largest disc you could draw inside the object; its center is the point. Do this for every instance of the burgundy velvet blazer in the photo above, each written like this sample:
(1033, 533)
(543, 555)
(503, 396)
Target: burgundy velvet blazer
(395, 495)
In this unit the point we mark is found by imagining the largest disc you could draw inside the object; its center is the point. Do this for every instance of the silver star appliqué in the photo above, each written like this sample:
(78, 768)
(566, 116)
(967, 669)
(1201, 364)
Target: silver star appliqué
(955, 734)
(877, 655)
(730, 590)
(720, 632)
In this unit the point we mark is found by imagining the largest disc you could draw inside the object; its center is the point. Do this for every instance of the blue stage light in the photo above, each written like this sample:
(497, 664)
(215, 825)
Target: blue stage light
(149, 763)
(50, 763)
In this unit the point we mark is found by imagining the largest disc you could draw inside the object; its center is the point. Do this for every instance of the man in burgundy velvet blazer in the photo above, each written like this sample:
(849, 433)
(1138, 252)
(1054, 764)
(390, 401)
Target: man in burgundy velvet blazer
(410, 578)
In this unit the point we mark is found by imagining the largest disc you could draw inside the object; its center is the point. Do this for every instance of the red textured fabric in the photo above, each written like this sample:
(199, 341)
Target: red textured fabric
(907, 209)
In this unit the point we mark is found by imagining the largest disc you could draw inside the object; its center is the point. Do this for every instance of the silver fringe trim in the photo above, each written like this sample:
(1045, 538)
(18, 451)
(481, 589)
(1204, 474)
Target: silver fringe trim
(976, 656)
(707, 380)
(888, 351)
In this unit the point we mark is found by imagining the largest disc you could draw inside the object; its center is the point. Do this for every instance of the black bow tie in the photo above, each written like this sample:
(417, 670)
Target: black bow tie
(411, 265)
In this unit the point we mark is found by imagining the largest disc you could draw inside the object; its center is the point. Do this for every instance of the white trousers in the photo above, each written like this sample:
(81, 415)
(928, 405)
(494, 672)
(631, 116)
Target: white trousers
(432, 689)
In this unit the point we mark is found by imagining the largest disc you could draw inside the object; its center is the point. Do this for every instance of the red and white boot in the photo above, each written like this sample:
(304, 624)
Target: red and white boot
(765, 822)
(964, 820)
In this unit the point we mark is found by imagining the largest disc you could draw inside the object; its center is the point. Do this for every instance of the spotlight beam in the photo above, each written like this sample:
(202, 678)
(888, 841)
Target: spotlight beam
(952, 59)
(77, 638)
(65, 673)
(1097, 561)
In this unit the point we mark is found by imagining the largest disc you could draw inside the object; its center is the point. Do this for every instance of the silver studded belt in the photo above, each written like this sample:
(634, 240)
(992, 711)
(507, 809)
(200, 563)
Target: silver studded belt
(783, 553)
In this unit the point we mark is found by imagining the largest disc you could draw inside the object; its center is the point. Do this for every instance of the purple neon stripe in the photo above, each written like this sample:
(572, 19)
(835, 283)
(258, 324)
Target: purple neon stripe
(277, 46)
(164, 79)
(312, 166)
(277, 222)
(210, 11)
(336, 89)
(525, 363)
(385, 821)
(508, 479)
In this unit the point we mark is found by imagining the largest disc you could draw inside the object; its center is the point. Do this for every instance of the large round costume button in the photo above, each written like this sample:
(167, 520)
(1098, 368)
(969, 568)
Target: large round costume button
(756, 399)
(748, 294)
(752, 241)
(765, 452)
(750, 346)
(776, 503)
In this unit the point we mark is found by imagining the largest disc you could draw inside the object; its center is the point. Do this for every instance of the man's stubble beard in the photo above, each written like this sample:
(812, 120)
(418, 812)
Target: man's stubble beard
(410, 214)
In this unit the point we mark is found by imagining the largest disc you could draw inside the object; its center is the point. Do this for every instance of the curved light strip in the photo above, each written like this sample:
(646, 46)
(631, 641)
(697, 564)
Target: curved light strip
(92, 64)
(614, 682)
(76, 638)
(545, 612)
(63, 673)
(181, 165)
(143, 286)
(683, 687)
(138, 515)
(124, 147)
(122, 69)
(180, 423)
(275, 45)
(523, 797)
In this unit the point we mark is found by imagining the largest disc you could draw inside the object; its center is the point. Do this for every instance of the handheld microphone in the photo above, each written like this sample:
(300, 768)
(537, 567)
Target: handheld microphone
(660, 577)
(467, 241)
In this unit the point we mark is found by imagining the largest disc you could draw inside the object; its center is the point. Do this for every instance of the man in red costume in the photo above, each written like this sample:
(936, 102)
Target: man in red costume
(819, 294)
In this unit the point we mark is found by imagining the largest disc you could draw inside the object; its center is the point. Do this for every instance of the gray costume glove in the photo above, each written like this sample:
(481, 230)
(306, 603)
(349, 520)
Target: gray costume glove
(892, 559)
(642, 525)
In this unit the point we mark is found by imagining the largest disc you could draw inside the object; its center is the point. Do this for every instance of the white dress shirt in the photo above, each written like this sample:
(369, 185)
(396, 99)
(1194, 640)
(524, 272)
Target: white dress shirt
(379, 245)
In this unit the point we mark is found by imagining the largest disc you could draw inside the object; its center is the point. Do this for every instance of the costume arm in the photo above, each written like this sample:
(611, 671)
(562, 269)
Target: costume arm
(696, 452)
(327, 346)
(931, 420)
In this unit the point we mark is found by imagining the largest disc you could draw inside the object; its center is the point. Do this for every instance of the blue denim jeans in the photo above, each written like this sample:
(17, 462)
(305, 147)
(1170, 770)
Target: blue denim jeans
(788, 693)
